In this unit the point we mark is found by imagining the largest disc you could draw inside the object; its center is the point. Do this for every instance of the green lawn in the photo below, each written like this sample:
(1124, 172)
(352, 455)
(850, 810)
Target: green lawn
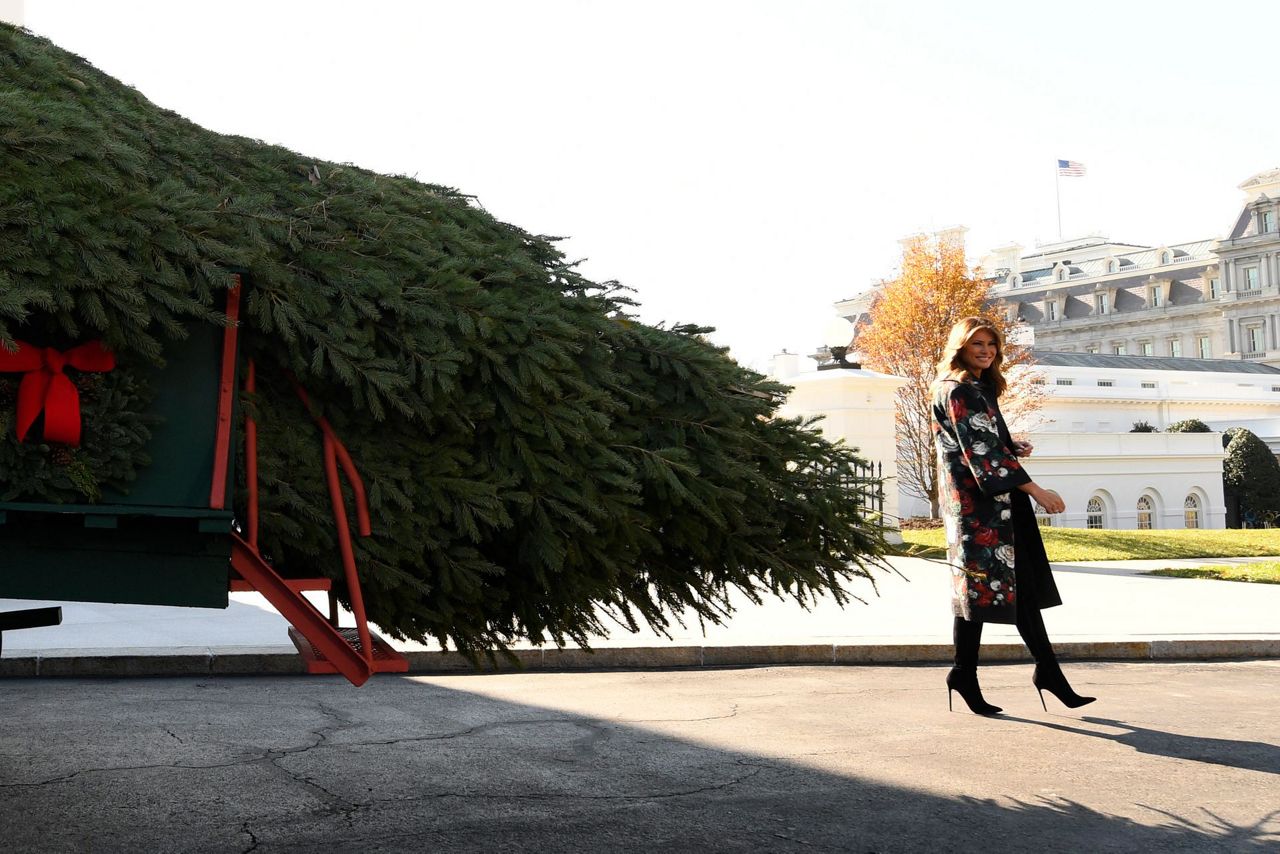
(1262, 573)
(1071, 544)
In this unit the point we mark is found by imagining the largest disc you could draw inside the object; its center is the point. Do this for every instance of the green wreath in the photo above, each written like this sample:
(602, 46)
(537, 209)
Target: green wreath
(115, 430)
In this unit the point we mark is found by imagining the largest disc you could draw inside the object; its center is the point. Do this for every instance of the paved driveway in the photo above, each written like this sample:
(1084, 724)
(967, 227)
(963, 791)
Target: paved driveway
(1174, 757)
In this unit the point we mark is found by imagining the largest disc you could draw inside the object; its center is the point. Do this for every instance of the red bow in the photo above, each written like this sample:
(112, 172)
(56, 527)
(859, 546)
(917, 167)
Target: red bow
(46, 388)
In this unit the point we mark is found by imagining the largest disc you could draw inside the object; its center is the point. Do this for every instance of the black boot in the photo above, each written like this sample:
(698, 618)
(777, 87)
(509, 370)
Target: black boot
(964, 676)
(1049, 677)
(965, 680)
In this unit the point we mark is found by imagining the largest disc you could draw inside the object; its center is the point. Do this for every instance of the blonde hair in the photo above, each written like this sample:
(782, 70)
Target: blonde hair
(950, 366)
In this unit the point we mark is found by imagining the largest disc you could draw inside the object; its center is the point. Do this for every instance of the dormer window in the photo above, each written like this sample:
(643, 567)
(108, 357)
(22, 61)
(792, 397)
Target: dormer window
(1155, 295)
(1050, 309)
(1166, 256)
(1101, 303)
(1266, 221)
(1215, 288)
(1060, 274)
(1113, 266)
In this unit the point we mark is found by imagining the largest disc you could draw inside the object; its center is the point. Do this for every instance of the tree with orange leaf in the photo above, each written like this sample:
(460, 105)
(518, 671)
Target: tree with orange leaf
(905, 335)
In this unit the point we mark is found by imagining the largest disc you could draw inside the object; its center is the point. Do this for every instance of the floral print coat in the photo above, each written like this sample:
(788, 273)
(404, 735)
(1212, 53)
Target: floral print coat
(979, 473)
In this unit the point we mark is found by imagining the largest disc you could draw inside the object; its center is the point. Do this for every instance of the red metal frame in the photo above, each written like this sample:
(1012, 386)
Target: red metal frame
(226, 392)
(325, 647)
(354, 665)
(335, 452)
(297, 585)
(251, 459)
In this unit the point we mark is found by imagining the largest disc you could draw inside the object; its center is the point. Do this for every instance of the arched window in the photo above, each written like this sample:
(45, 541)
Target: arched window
(1165, 257)
(1095, 513)
(1113, 266)
(1060, 275)
(1191, 511)
(1146, 512)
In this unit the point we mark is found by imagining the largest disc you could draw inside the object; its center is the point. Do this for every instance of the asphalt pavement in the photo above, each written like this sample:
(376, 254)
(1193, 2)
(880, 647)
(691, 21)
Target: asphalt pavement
(1172, 757)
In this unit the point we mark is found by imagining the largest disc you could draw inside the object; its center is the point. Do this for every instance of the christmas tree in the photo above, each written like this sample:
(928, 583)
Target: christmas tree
(532, 454)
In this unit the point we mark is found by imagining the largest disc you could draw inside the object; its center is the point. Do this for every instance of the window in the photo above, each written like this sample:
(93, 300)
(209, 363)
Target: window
(1050, 309)
(1215, 288)
(1203, 348)
(1118, 348)
(1148, 385)
(1106, 383)
(1146, 348)
(1191, 511)
(1092, 348)
(1146, 511)
(1155, 296)
(1175, 347)
(1165, 258)
(1275, 388)
(1095, 513)
(1251, 280)
(1254, 339)
(1060, 275)
(1064, 381)
(1113, 266)
(1266, 221)
(1101, 303)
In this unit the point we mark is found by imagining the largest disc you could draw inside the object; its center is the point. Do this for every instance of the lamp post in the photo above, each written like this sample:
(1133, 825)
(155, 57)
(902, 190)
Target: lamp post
(838, 336)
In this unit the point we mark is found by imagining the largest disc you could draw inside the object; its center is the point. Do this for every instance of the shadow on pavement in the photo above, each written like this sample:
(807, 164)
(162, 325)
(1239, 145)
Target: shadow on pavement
(1249, 755)
(283, 764)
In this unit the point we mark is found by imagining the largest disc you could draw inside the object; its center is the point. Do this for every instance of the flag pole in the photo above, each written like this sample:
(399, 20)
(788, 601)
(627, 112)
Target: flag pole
(1057, 191)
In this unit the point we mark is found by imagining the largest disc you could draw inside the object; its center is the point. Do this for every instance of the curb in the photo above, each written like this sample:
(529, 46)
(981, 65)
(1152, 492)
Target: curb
(275, 661)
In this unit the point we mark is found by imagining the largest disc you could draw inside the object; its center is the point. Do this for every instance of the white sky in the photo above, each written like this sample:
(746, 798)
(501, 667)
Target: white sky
(740, 164)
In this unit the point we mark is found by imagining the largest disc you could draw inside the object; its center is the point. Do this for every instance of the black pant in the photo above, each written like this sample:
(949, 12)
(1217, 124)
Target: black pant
(968, 636)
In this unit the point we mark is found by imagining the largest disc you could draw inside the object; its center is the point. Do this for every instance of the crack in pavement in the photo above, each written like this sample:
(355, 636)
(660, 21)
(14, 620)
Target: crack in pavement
(733, 713)
(571, 796)
(253, 839)
(336, 803)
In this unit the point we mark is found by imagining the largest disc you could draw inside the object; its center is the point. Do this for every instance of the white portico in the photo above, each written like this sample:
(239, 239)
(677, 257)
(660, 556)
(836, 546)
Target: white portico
(856, 405)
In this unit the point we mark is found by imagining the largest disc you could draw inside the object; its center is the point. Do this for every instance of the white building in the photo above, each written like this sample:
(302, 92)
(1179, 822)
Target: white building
(1096, 393)
(1108, 477)
(1126, 333)
(1212, 298)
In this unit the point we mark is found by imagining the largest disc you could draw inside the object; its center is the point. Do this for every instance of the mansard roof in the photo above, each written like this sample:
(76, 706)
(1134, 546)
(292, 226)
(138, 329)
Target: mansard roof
(1262, 179)
(1051, 358)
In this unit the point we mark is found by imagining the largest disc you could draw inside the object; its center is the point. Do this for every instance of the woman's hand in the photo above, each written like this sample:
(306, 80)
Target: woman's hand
(1048, 499)
(1022, 449)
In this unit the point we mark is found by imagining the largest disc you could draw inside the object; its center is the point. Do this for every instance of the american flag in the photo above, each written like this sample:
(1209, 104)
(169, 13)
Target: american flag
(1070, 168)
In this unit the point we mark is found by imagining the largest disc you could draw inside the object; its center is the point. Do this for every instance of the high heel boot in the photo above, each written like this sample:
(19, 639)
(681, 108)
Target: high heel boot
(964, 676)
(1049, 677)
(965, 681)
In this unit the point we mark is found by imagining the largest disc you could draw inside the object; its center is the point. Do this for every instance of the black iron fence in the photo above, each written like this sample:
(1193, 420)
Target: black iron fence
(865, 483)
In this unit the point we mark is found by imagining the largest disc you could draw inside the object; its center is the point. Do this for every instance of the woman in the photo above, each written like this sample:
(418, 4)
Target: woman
(1000, 572)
